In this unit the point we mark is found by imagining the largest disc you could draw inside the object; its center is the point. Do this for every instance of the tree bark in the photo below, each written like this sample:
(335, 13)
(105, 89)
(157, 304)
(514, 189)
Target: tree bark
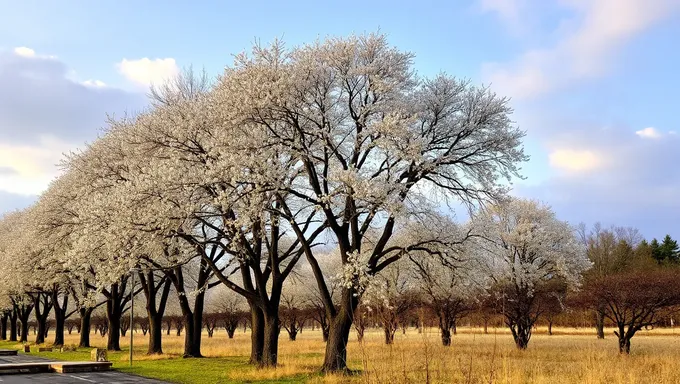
(43, 306)
(271, 340)
(24, 311)
(13, 324)
(624, 344)
(85, 326)
(256, 335)
(193, 319)
(155, 311)
(3, 325)
(446, 337)
(389, 333)
(335, 359)
(59, 316)
(521, 332)
(113, 341)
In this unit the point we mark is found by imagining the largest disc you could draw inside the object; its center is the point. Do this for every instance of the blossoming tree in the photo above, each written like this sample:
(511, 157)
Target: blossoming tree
(526, 248)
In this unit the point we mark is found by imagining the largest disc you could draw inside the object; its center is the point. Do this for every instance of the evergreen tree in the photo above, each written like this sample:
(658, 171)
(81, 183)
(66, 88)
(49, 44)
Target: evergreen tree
(656, 251)
(669, 250)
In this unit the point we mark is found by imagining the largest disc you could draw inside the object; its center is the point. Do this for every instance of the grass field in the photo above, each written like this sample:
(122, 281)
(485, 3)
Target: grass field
(569, 356)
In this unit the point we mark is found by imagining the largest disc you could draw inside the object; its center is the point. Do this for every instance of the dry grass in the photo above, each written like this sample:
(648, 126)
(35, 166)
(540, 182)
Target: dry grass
(569, 356)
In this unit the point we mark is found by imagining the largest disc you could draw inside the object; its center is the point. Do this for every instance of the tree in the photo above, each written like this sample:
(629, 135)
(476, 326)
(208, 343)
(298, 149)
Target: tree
(610, 250)
(450, 290)
(366, 134)
(634, 299)
(526, 248)
(669, 250)
(391, 296)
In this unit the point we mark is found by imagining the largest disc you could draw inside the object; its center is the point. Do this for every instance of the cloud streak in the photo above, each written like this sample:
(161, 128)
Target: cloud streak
(44, 112)
(588, 44)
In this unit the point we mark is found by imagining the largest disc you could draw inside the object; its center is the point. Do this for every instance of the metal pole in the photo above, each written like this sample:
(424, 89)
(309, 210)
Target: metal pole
(132, 313)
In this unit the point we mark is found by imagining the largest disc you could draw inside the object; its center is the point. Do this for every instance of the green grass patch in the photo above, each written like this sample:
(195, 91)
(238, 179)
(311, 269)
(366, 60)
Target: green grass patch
(173, 369)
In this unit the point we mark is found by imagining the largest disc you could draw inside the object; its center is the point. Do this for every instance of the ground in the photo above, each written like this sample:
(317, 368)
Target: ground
(569, 356)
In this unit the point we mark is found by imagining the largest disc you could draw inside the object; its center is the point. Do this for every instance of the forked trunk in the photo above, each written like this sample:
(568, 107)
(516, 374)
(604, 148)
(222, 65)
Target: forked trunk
(23, 336)
(521, 333)
(624, 344)
(389, 333)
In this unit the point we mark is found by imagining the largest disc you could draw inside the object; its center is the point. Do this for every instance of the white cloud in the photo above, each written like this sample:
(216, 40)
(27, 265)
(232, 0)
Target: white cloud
(45, 112)
(94, 83)
(30, 168)
(23, 51)
(649, 133)
(146, 72)
(586, 48)
(575, 161)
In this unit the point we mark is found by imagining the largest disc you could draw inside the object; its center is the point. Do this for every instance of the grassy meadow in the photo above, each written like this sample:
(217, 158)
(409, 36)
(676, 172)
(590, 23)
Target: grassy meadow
(569, 356)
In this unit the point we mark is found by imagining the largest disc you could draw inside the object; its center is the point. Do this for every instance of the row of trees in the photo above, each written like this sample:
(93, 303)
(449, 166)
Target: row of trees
(330, 160)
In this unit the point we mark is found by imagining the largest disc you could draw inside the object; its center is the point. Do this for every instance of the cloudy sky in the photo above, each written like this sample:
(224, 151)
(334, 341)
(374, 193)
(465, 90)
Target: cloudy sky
(593, 82)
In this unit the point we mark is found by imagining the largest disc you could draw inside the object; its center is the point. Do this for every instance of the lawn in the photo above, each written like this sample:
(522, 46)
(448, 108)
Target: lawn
(570, 356)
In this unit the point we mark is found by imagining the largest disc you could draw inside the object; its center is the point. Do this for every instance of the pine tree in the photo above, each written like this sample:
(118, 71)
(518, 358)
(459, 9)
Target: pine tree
(669, 249)
(656, 251)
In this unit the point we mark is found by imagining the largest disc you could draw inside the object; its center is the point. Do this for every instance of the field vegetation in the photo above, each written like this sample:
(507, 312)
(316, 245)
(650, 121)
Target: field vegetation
(570, 355)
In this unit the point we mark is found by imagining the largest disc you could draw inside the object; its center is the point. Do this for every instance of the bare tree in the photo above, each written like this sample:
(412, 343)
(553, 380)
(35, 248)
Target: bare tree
(634, 300)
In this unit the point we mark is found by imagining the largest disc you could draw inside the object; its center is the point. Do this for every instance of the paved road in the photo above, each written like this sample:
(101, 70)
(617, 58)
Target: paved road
(110, 377)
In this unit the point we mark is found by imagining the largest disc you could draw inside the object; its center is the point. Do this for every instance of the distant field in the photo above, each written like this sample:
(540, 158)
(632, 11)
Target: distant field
(569, 356)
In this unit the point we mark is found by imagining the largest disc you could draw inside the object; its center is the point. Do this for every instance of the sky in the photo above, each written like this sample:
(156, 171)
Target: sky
(592, 82)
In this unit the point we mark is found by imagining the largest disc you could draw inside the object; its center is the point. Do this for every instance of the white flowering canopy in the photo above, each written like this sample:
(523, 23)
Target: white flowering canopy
(524, 244)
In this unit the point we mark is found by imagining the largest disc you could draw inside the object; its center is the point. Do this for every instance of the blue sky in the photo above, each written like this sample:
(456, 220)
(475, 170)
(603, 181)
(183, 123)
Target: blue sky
(593, 82)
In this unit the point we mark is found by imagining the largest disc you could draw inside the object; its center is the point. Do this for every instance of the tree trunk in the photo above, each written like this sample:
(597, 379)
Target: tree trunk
(155, 335)
(446, 336)
(271, 341)
(624, 344)
(230, 332)
(113, 342)
(13, 325)
(24, 311)
(59, 329)
(389, 333)
(59, 317)
(198, 324)
(43, 306)
(599, 323)
(85, 326)
(486, 326)
(292, 333)
(256, 335)
(521, 333)
(3, 326)
(335, 359)
(24, 332)
(550, 324)
(155, 312)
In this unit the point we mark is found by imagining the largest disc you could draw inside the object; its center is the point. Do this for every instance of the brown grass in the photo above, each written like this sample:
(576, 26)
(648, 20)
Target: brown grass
(569, 356)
